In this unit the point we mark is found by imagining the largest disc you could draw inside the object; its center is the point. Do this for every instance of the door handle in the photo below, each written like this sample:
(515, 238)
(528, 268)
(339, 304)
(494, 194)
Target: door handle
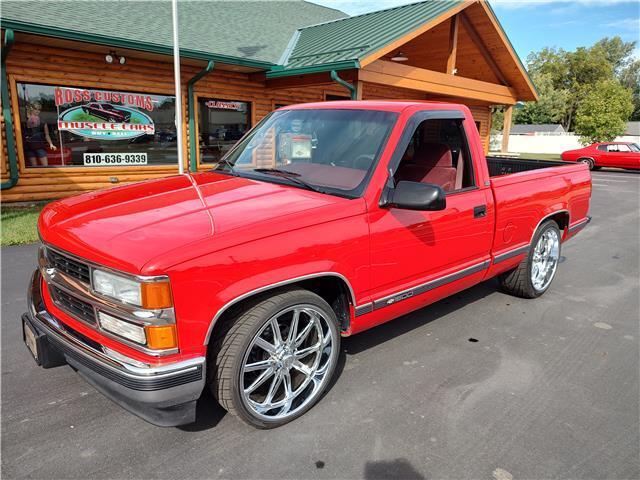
(480, 211)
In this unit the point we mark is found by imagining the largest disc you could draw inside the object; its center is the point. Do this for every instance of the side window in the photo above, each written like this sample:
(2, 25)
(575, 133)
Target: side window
(612, 148)
(623, 148)
(328, 97)
(603, 148)
(438, 153)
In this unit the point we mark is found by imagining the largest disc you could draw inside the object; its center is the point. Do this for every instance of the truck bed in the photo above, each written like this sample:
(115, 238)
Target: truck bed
(507, 165)
(526, 191)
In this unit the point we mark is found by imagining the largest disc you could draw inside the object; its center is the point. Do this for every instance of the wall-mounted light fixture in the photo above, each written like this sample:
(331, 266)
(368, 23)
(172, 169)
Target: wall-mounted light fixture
(399, 57)
(112, 56)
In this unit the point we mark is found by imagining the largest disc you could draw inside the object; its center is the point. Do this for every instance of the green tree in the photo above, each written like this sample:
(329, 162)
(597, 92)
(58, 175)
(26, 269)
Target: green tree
(603, 112)
(497, 120)
(565, 78)
(617, 52)
(552, 106)
(630, 78)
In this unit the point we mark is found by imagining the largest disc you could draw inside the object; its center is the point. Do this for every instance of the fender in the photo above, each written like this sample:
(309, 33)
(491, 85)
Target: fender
(282, 283)
(514, 255)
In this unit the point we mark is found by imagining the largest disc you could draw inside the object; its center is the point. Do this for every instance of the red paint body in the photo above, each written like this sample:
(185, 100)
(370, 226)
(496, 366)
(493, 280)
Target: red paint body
(606, 155)
(219, 237)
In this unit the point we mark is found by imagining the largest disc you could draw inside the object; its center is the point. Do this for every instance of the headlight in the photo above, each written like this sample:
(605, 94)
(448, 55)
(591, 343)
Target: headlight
(149, 295)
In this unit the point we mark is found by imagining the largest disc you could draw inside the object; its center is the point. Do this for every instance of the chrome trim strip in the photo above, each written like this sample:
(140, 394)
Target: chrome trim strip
(364, 309)
(510, 254)
(276, 285)
(430, 285)
(580, 225)
(131, 369)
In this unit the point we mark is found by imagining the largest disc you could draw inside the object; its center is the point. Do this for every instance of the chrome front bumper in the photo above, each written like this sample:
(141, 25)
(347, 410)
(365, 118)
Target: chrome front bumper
(164, 395)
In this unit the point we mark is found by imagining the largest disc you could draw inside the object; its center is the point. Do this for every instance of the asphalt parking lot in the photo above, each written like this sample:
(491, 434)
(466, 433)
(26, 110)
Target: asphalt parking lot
(550, 389)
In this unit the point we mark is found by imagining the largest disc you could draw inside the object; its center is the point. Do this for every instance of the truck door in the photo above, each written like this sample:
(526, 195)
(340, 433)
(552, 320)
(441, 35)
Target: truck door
(447, 247)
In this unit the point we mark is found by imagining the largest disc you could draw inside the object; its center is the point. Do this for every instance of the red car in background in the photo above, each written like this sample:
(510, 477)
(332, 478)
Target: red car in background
(608, 154)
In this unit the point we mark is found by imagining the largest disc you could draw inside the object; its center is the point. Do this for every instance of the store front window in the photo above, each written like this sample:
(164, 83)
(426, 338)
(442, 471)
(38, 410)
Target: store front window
(221, 124)
(79, 127)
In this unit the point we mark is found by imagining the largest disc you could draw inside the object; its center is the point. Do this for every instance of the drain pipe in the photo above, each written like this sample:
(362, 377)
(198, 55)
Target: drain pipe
(191, 112)
(345, 84)
(6, 112)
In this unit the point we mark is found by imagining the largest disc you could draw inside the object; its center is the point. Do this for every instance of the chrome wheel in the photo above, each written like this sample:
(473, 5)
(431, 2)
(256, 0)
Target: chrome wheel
(545, 259)
(285, 367)
(588, 161)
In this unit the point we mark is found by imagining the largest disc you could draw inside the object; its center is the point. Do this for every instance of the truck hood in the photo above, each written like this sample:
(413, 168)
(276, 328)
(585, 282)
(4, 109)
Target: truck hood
(146, 227)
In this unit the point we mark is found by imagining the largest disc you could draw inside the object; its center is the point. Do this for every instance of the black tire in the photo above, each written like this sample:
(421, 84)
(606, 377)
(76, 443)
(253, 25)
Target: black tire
(597, 168)
(229, 349)
(518, 282)
(588, 161)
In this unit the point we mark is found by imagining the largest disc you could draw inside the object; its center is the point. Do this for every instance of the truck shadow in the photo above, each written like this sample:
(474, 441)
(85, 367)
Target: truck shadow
(400, 468)
(401, 325)
(209, 412)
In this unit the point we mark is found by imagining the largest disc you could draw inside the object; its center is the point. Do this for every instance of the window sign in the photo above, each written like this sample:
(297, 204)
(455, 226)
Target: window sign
(65, 126)
(221, 124)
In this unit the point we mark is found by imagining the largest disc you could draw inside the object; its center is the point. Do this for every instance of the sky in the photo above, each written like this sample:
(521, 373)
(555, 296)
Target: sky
(534, 24)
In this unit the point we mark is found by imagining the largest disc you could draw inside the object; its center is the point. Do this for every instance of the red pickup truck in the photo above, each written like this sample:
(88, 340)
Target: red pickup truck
(323, 221)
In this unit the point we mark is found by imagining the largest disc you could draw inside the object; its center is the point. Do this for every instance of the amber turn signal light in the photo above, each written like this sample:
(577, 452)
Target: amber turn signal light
(156, 295)
(161, 337)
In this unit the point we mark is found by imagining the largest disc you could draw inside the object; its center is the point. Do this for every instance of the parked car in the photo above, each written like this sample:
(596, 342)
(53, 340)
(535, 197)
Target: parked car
(107, 112)
(607, 154)
(243, 279)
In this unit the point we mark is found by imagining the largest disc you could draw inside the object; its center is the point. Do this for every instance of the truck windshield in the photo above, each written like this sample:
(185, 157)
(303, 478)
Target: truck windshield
(328, 150)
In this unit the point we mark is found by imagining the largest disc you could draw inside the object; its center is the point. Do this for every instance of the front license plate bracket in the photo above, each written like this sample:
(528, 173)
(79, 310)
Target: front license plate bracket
(40, 348)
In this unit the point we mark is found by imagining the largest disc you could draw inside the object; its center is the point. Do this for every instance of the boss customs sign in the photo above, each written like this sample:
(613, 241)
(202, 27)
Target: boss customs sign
(104, 115)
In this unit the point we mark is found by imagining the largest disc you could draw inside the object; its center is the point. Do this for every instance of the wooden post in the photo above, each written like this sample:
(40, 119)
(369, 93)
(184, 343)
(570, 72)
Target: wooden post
(506, 128)
(359, 87)
(453, 46)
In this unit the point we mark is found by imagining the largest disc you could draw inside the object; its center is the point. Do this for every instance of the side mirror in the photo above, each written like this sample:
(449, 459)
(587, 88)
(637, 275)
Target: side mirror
(416, 196)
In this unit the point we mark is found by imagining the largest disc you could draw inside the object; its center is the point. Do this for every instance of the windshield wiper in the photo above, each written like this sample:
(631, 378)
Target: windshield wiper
(227, 163)
(292, 176)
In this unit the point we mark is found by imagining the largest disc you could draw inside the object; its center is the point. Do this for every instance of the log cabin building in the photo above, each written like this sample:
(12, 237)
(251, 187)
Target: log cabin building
(88, 93)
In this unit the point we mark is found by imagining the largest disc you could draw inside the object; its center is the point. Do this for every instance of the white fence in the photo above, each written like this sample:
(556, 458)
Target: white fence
(546, 143)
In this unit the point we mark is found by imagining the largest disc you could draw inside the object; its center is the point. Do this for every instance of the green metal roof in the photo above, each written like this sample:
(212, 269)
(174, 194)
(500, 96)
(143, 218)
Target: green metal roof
(253, 33)
(349, 40)
(283, 37)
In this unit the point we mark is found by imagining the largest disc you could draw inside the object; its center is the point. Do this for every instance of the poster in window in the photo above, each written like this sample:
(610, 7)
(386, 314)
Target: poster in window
(65, 126)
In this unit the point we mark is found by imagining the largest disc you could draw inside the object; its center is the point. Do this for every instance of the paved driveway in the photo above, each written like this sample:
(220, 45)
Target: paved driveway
(548, 390)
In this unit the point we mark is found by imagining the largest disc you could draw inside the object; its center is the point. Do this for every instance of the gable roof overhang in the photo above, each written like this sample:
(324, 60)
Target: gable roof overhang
(356, 42)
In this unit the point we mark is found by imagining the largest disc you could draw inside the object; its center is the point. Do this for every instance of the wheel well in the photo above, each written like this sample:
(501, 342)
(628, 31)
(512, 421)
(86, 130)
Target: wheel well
(561, 218)
(333, 290)
(587, 158)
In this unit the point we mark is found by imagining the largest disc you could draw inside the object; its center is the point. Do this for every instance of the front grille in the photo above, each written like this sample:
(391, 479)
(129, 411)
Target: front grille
(73, 305)
(68, 265)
